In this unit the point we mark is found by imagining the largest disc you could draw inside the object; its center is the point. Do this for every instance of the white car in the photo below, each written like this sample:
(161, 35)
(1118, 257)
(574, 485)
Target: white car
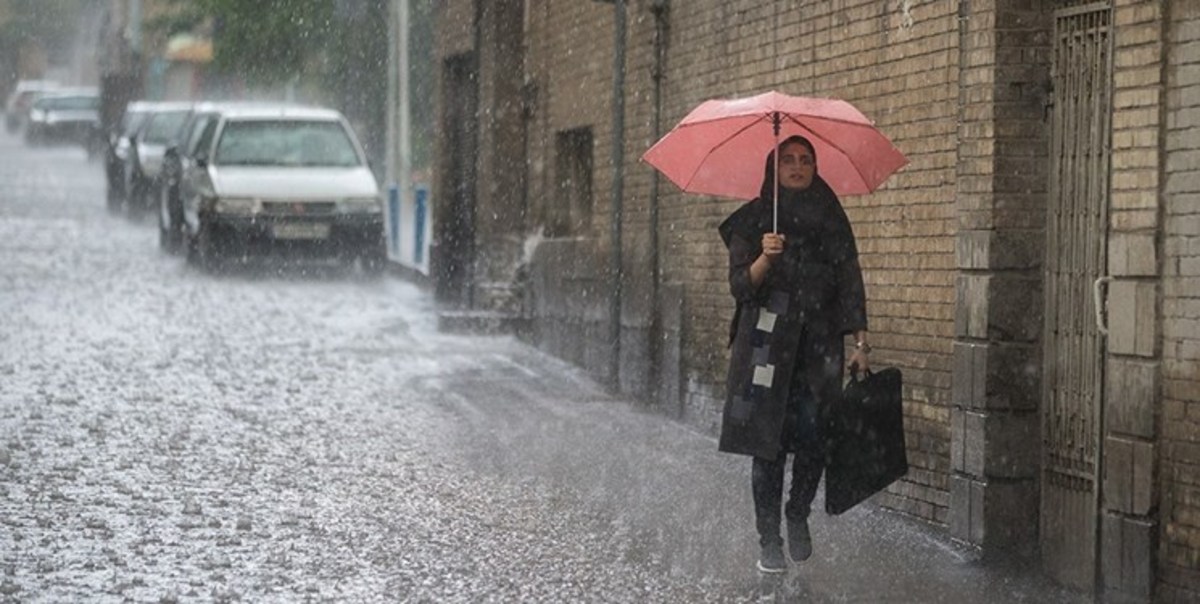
(66, 115)
(16, 109)
(119, 149)
(160, 129)
(281, 178)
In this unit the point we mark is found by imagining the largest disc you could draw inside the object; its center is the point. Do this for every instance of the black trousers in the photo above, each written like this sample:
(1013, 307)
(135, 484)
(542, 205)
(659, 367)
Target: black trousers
(803, 437)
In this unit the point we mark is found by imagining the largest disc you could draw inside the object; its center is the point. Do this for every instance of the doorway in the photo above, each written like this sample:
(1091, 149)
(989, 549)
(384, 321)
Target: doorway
(1075, 261)
(456, 224)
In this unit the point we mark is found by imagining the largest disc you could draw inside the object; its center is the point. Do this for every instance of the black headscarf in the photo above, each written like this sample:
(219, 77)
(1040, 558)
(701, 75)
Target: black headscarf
(805, 215)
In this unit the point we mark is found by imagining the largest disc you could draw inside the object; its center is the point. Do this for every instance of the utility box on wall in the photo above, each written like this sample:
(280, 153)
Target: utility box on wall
(408, 227)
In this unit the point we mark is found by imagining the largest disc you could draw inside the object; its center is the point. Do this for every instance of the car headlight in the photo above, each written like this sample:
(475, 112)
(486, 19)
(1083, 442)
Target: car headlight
(37, 115)
(361, 205)
(236, 205)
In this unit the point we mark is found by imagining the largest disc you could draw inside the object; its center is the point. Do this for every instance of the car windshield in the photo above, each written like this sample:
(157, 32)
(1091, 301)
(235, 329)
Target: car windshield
(68, 103)
(132, 121)
(163, 127)
(285, 143)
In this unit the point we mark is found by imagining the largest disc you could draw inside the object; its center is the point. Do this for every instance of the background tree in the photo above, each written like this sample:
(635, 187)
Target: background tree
(265, 42)
(46, 25)
(333, 49)
(354, 68)
(422, 82)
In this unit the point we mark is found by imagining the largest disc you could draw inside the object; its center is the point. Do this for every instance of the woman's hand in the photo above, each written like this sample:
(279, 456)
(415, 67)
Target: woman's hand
(772, 244)
(858, 358)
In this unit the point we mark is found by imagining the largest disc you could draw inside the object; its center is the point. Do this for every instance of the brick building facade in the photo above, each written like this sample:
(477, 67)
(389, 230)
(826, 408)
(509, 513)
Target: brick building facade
(1053, 150)
(1176, 227)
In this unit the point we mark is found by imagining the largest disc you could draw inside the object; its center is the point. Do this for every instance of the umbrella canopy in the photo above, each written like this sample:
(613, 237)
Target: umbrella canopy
(720, 147)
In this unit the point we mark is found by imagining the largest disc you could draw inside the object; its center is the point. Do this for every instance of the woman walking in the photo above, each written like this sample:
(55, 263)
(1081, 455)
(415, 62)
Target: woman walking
(799, 291)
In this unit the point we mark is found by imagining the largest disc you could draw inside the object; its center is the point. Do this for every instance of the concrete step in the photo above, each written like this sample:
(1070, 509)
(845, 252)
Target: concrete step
(486, 322)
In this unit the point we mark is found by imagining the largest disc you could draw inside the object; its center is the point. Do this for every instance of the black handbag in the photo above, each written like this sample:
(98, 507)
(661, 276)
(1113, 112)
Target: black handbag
(865, 449)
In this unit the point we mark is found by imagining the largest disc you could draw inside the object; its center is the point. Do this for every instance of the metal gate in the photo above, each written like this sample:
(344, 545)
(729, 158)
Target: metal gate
(1076, 232)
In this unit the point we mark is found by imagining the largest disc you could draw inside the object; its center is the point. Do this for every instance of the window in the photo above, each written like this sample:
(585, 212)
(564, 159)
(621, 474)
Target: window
(570, 211)
(164, 127)
(204, 144)
(196, 131)
(68, 103)
(132, 121)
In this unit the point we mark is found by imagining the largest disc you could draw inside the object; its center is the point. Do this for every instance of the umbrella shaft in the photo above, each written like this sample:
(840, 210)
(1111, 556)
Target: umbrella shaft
(776, 119)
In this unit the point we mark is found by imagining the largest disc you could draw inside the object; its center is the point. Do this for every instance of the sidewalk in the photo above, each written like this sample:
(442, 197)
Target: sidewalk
(533, 418)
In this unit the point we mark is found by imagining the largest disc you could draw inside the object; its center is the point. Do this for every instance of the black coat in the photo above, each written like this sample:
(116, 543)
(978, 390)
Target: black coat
(812, 296)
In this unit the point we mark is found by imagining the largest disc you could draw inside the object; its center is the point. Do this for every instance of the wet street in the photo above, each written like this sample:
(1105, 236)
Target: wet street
(167, 434)
(170, 435)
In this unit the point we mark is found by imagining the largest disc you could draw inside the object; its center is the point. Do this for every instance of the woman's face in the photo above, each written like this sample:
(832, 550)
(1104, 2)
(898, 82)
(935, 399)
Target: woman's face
(797, 166)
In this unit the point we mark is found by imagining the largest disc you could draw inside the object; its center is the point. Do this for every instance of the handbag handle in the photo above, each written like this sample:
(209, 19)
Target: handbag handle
(854, 371)
(1100, 306)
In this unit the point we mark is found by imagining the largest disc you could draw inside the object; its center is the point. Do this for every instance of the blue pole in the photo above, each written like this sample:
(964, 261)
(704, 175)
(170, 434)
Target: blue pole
(394, 218)
(421, 197)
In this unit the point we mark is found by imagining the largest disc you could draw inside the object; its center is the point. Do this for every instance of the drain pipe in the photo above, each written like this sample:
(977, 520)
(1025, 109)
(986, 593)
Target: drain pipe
(618, 189)
(659, 8)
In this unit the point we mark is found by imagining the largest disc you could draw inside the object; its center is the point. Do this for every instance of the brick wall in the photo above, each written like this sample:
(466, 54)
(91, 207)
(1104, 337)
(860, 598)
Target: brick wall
(1001, 194)
(454, 28)
(1128, 519)
(568, 79)
(1179, 546)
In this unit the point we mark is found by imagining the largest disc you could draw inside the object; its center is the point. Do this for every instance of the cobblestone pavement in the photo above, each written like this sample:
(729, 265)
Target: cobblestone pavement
(305, 434)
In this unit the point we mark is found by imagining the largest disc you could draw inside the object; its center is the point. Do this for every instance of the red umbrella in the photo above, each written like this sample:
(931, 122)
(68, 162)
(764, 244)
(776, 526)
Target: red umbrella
(719, 148)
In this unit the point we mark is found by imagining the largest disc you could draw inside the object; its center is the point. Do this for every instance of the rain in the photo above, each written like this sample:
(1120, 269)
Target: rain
(475, 301)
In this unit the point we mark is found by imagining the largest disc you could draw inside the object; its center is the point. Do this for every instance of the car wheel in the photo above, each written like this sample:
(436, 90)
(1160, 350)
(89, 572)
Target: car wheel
(112, 199)
(168, 227)
(190, 253)
(135, 200)
(148, 197)
(192, 247)
(112, 190)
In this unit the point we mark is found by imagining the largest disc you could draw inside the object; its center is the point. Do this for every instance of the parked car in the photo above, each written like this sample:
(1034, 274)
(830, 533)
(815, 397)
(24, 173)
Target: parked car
(118, 151)
(197, 132)
(20, 101)
(161, 129)
(63, 116)
(263, 179)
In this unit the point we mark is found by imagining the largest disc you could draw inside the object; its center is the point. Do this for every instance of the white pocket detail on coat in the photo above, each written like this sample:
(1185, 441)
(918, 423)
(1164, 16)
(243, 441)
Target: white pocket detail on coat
(764, 375)
(766, 320)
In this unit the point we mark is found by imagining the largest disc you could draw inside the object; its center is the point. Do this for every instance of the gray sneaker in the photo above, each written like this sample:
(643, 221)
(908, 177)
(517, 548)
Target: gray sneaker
(799, 540)
(771, 560)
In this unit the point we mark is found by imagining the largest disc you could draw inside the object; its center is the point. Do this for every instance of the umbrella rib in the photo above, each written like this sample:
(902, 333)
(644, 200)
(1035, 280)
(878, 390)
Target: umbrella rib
(789, 115)
(831, 144)
(722, 144)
